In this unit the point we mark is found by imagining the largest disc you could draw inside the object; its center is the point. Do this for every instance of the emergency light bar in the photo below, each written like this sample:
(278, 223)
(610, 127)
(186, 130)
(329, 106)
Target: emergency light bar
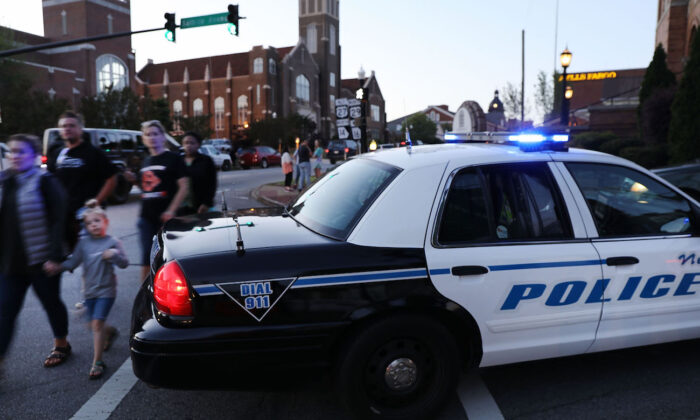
(529, 142)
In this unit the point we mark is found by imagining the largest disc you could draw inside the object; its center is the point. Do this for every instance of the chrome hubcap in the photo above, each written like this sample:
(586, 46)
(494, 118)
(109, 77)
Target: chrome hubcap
(400, 374)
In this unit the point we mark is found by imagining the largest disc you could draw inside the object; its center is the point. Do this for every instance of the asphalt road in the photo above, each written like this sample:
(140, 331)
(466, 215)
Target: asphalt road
(658, 382)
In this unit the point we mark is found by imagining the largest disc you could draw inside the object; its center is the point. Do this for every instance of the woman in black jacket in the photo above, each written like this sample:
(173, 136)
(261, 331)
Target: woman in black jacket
(202, 173)
(32, 211)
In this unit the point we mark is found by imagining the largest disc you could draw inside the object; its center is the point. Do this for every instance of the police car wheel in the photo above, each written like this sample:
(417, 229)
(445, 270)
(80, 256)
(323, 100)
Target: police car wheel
(402, 367)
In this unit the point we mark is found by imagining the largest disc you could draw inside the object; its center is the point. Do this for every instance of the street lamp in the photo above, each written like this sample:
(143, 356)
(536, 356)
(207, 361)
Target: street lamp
(569, 93)
(363, 110)
(565, 59)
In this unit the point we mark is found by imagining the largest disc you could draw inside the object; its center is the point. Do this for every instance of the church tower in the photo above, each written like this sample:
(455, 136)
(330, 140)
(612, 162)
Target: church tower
(318, 27)
(98, 64)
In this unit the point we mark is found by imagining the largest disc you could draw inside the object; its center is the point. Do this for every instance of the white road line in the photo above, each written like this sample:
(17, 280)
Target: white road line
(108, 397)
(476, 399)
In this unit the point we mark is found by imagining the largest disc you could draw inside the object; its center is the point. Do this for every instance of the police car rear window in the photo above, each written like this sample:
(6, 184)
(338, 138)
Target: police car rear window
(334, 204)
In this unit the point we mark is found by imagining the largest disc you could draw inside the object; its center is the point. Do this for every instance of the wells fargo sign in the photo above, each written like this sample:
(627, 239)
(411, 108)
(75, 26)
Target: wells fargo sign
(580, 77)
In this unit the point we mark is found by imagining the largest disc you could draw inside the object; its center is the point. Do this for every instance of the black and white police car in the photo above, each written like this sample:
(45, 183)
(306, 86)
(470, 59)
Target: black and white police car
(398, 269)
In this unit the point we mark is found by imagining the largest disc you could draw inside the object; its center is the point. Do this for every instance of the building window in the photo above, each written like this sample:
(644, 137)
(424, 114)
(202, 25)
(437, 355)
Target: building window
(375, 113)
(312, 4)
(257, 94)
(332, 39)
(219, 115)
(272, 66)
(319, 6)
(302, 91)
(64, 23)
(258, 65)
(332, 104)
(110, 24)
(177, 114)
(331, 79)
(302, 6)
(111, 72)
(197, 107)
(311, 36)
(272, 95)
(242, 109)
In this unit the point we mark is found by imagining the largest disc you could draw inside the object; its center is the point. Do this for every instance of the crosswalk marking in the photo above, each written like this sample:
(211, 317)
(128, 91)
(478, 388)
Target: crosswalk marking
(476, 398)
(101, 405)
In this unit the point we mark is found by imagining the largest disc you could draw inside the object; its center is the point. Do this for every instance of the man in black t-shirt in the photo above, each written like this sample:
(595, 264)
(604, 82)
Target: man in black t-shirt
(85, 171)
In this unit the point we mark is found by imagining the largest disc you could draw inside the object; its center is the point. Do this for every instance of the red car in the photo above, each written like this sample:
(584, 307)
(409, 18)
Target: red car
(258, 155)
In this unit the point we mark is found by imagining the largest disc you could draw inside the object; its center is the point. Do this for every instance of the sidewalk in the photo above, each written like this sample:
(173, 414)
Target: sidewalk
(274, 195)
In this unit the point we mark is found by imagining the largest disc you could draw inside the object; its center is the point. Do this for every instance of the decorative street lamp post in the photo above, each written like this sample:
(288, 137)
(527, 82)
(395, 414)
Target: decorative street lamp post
(565, 59)
(363, 110)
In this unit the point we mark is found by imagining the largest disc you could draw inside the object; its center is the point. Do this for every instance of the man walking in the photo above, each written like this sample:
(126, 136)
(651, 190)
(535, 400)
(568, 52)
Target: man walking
(84, 171)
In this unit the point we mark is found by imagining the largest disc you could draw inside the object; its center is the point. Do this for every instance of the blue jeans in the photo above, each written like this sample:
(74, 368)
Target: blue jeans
(98, 308)
(146, 232)
(13, 289)
(304, 174)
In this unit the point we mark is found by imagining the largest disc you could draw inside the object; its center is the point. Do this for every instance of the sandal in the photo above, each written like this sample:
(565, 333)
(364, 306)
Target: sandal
(109, 339)
(97, 369)
(57, 356)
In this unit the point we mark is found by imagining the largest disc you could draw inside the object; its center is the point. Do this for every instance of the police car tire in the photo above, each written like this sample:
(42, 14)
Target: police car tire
(360, 370)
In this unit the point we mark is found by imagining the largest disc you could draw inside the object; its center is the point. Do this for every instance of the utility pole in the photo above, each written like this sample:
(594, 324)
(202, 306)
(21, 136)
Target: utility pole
(522, 87)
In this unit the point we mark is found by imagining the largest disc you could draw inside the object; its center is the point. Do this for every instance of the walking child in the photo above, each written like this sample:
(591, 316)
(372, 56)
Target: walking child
(98, 253)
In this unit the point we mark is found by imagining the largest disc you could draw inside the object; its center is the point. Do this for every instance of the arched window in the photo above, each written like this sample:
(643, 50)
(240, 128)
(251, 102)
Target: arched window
(331, 29)
(311, 36)
(242, 109)
(272, 66)
(197, 107)
(258, 65)
(219, 115)
(111, 71)
(302, 91)
(177, 114)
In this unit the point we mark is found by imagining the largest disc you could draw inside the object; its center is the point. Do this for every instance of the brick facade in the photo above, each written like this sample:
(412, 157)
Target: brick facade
(677, 24)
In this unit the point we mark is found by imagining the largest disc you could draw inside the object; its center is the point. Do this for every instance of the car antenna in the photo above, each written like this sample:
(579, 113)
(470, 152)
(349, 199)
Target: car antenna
(409, 145)
(224, 207)
(240, 249)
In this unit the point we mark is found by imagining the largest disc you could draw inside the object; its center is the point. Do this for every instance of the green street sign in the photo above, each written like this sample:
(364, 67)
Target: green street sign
(206, 20)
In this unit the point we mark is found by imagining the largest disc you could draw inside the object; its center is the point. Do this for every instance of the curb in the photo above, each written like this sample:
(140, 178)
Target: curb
(255, 195)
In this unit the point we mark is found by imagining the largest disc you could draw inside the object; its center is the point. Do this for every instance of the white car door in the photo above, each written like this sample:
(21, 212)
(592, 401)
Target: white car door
(508, 245)
(651, 269)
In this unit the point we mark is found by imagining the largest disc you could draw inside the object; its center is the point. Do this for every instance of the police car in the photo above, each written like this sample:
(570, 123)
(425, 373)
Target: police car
(398, 269)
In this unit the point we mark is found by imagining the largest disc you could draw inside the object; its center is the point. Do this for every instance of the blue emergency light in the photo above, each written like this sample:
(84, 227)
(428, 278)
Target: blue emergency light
(528, 141)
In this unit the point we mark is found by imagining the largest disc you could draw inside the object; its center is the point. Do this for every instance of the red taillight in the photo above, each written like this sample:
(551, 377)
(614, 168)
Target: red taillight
(347, 150)
(326, 151)
(44, 159)
(403, 143)
(170, 290)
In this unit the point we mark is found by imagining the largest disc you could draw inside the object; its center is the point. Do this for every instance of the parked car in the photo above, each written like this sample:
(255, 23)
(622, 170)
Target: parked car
(686, 177)
(453, 257)
(258, 155)
(221, 160)
(124, 148)
(386, 146)
(222, 145)
(341, 150)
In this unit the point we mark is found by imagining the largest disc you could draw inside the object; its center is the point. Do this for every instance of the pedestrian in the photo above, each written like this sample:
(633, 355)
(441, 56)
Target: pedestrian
(84, 171)
(287, 169)
(297, 171)
(304, 165)
(201, 171)
(164, 186)
(98, 253)
(318, 159)
(32, 212)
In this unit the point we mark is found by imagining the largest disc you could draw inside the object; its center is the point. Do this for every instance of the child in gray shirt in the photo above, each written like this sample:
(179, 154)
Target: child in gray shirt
(98, 253)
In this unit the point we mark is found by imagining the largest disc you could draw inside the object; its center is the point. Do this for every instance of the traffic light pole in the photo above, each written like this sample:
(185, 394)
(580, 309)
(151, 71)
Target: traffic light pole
(8, 53)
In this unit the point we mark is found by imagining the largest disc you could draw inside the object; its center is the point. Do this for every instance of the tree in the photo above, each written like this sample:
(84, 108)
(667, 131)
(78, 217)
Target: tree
(511, 101)
(198, 123)
(124, 109)
(684, 132)
(421, 128)
(657, 76)
(271, 131)
(655, 98)
(544, 94)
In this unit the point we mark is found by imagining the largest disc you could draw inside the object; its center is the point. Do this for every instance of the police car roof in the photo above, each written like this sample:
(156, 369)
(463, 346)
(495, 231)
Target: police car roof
(476, 153)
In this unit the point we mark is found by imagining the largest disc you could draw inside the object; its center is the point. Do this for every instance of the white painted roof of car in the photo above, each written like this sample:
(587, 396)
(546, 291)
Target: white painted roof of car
(475, 153)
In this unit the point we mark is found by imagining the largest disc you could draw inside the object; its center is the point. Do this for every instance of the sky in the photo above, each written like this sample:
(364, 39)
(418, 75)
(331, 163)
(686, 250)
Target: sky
(423, 52)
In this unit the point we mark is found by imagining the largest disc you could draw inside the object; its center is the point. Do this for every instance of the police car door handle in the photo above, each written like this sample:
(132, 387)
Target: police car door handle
(469, 270)
(621, 260)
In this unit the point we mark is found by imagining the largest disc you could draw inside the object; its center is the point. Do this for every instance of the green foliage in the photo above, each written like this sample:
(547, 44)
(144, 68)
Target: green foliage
(123, 109)
(653, 156)
(271, 131)
(22, 110)
(684, 132)
(614, 146)
(421, 128)
(155, 109)
(634, 149)
(657, 76)
(592, 140)
(544, 94)
(199, 124)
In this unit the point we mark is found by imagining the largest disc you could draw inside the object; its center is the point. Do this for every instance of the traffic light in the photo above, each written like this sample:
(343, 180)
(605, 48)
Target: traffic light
(233, 19)
(170, 27)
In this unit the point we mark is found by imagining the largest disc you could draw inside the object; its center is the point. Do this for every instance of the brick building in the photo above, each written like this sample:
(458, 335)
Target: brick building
(677, 24)
(237, 89)
(85, 69)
